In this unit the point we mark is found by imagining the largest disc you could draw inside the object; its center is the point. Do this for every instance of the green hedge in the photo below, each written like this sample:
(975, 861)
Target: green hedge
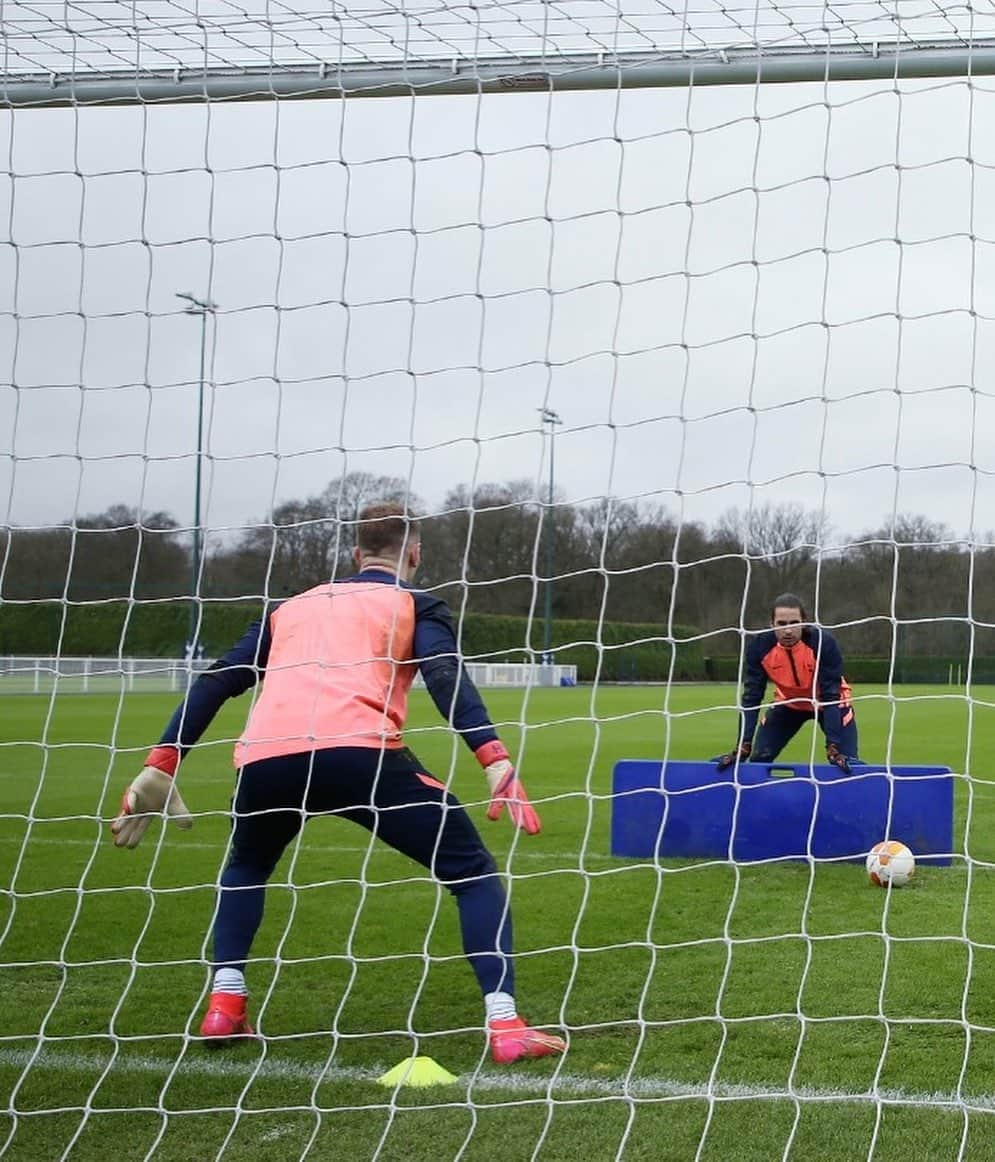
(934, 671)
(145, 629)
(627, 652)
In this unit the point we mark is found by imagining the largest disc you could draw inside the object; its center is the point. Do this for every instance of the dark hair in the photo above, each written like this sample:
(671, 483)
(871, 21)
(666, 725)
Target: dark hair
(789, 601)
(386, 528)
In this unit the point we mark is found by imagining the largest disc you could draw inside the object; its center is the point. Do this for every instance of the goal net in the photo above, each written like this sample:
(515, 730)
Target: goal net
(655, 314)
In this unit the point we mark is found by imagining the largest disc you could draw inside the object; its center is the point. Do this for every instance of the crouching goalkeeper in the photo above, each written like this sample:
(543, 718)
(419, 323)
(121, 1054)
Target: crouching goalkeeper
(805, 664)
(324, 737)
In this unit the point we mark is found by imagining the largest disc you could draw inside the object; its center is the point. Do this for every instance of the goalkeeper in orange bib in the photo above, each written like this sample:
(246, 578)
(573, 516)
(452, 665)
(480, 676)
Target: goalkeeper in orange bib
(324, 736)
(806, 666)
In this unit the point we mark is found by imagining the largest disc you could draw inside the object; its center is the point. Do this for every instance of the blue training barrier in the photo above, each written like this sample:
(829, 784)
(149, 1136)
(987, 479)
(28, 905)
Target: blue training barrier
(758, 811)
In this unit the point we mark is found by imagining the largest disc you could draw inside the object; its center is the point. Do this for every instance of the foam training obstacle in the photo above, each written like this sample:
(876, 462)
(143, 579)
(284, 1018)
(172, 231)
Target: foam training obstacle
(691, 810)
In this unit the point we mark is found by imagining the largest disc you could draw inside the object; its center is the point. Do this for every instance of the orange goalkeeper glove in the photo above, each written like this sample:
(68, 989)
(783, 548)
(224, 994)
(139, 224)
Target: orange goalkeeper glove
(506, 788)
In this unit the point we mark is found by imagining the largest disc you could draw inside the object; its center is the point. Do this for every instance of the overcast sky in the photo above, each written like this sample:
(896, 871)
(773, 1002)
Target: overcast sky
(402, 283)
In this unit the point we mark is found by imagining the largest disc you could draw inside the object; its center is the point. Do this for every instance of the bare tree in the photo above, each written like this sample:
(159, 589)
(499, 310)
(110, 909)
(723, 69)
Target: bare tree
(485, 543)
(781, 541)
(306, 542)
(125, 552)
(120, 552)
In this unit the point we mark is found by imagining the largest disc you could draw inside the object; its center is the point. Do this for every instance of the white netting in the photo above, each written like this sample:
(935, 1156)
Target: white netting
(100, 35)
(48, 37)
(50, 42)
(765, 317)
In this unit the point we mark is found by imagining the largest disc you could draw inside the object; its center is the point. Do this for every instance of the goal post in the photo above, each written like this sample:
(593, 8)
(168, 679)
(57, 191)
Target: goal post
(654, 315)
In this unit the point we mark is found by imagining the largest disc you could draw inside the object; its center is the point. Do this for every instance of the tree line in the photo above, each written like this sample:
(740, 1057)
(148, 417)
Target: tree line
(908, 586)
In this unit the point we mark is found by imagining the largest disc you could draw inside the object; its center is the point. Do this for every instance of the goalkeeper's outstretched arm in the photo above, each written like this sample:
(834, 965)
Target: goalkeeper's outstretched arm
(234, 673)
(754, 688)
(153, 791)
(829, 684)
(458, 701)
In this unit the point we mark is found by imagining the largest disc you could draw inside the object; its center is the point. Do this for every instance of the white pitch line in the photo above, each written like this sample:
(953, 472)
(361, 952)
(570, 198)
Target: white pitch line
(194, 845)
(560, 1085)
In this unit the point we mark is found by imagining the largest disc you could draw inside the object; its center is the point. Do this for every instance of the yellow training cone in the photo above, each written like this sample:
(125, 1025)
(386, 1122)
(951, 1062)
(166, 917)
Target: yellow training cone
(420, 1071)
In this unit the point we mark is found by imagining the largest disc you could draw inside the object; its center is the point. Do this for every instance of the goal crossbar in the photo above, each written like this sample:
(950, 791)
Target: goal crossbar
(856, 61)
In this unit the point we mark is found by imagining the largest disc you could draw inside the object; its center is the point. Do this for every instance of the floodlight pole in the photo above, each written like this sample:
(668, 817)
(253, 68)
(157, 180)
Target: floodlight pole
(548, 416)
(203, 308)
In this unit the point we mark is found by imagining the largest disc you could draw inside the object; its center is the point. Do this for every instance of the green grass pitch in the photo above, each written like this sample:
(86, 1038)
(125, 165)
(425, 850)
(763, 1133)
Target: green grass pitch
(715, 1012)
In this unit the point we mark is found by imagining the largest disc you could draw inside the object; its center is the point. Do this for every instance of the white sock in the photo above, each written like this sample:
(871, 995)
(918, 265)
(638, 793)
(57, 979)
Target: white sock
(500, 1007)
(229, 980)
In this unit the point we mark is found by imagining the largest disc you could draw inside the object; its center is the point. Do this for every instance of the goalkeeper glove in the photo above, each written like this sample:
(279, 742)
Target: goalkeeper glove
(742, 753)
(151, 793)
(838, 758)
(506, 788)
